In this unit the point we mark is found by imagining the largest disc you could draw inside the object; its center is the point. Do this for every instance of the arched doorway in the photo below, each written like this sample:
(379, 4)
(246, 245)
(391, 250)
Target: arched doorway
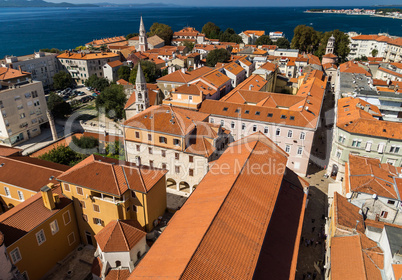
(184, 187)
(170, 183)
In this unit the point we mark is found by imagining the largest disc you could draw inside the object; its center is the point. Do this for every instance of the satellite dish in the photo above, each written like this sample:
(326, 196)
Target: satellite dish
(349, 195)
(374, 196)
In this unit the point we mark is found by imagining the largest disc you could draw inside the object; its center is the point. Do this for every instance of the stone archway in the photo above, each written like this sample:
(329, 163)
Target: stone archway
(184, 187)
(170, 183)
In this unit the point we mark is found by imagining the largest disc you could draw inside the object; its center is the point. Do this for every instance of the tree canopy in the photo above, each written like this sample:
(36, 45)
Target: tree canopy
(374, 52)
(96, 82)
(282, 43)
(305, 39)
(131, 35)
(189, 45)
(62, 80)
(85, 142)
(211, 30)
(230, 36)
(58, 106)
(264, 40)
(151, 73)
(52, 50)
(112, 99)
(341, 44)
(124, 73)
(164, 31)
(217, 55)
(63, 155)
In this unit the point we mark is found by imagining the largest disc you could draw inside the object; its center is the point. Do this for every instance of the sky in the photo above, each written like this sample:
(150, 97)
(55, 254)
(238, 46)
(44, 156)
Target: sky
(249, 3)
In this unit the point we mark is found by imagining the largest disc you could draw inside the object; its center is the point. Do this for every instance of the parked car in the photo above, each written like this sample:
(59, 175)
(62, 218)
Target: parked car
(85, 99)
(80, 93)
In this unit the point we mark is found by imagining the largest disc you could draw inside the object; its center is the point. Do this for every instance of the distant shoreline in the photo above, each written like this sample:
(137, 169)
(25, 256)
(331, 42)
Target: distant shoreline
(353, 14)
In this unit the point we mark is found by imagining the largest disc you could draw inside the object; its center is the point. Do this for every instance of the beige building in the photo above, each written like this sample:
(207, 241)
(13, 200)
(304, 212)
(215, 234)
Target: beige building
(175, 139)
(42, 66)
(23, 106)
(83, 65)
(393, 52)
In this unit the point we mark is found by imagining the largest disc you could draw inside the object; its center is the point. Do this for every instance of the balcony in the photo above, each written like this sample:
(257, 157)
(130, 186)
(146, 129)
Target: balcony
(104, 197)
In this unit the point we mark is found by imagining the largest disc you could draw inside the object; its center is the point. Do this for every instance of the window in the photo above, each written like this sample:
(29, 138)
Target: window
(302, 135)
(177, 169)
(338, 154)
(232, 124)
(394, 149)
(162, 140)
(54, 227)
(97, 221)
(7, 191)
(278, 132)
(225, 109)
(212, 120)
(292, 118)
(299, 150)
(191, 158)
(354, 143)
(40, 237)
(290, 134)
(150, 151)
(15, 255)
(137, 134)
(384, 214)
(134, 208)
(79, 190)
(254, 128)
(66, 218)
(85, 217)
(96, 208)
(191, 172)
(138, 147)
(163, 165)
(222, 123)
(257, 113)
(283, 117)
(359, 143)
(266, 130)
(243, 126)
(82, 204)
(381, 147)
(20, 195)
(247, 112)
(190, 98)
(287, 148)
(151, 163)
(270, 115)
(163, 153)
(391, 202)
(149, 137)
(368, 146)
(177, 156)
(176, 142)
(71, 239)
(237, 110)
(128, 209)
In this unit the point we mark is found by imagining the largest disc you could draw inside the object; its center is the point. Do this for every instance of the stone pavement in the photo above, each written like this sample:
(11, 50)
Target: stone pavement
(312, 245)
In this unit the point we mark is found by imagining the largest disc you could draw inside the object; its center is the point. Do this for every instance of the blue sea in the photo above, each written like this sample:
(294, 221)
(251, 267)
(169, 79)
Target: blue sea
(25, 30)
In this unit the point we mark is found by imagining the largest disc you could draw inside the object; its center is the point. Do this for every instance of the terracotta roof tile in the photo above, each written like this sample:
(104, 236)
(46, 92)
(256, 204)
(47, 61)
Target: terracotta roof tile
(179, 77)
(353, 67)
(346, 215)
(115, 63)
(397, 268)
(118, 274)
(120, 236)
(111, 176)
(97, 267)
(87, 56)
(255, 32)
(389, 71)
(234, 68)
(26, 216)
(10, 73)
(8, 151)
(153, 92)
(107, 41)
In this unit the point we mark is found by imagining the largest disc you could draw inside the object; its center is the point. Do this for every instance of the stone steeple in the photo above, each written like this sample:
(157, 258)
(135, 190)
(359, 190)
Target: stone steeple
(143, 44)
(330, 45)
(141, 91)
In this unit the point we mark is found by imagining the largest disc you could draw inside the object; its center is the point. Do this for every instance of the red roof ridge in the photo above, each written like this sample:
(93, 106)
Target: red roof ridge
(15, 210)
(124, 234)
(141, 178)
(28, 163)
(115, 179)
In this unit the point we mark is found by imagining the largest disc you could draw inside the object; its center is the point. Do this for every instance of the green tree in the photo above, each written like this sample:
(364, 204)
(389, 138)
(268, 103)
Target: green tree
(124, 73)
(211, 30)
(112, 100)
(80, 48)
(282, 43)
(374, 52)
(341, 44)
(230, 36)
(62, 80)
(103, 47)
(58, 106)
(163, 31)
(217, 55)
(189, 45)
(151, 73)
(52, 50)
(96, 82)
(362, 58)
(131, 35)
(86, 142)
(115, 149)
(305, 39)
(63, 155)
(264, 40)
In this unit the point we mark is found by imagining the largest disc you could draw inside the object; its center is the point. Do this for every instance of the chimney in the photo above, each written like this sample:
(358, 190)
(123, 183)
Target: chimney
(47, 196)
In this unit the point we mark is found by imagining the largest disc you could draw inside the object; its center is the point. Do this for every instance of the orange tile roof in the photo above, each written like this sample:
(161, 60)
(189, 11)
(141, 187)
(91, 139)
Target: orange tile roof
(346, 215)
(256, 82)
(396, 42)
(120, 236)
(166, 119)
(366, 37)
(87, 56)
(35, 176)
(102, 137)
(153, 91)
(377, 82)
(369, 176)
(107, 41)
(259, 52)
(397, 268)
(216, 78)
(10, 73)
(353, 67)
(8, 151)
(213, 245)
(115, 63)
(269, 66)
(353, 119)
(312, 59)
(118, 274)
(330, 55)
(245, 61)
(389, 71)
(111, 176)
(96, 268)
(203, 142)
(197, 88)
(234, 68)
(123, 82)
(180, 77)
(28, 215)
(355, 257)
(255, 32)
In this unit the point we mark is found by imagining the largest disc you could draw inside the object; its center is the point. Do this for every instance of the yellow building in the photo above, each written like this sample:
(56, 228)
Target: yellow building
(105, 189)
(40, 232)
(15, 188)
